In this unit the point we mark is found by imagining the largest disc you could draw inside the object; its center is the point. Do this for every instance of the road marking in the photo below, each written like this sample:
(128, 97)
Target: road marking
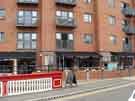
(55, 97)
(94, 92)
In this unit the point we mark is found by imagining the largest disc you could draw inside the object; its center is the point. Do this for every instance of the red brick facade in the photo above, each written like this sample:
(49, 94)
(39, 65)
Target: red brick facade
(46, 29)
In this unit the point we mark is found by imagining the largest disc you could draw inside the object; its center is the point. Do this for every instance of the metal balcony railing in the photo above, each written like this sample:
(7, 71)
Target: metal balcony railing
(128, 11)
(129, 29)
(68, 22)
(67, 2)
(64, 44)
(27, 1)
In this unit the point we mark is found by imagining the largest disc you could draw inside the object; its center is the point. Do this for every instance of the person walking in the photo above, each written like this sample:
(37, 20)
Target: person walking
(74, 77)
(71, 78)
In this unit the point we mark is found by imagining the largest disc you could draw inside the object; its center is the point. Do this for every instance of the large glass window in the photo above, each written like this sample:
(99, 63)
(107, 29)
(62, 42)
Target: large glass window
(64, 40)
(87, 18)
(27, 17)
(2, 13)
(87, 1)
(111, 3)
(113, 39)
(2, 36)
(64, 14)
(29, 1)
(88, 39)
(123, 5)
(112, 20)
(26, 40)
(125, 23)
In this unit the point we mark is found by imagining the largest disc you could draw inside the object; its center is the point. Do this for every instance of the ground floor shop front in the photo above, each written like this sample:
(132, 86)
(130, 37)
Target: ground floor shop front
(28, 62)
(17, 62)
(91, 60)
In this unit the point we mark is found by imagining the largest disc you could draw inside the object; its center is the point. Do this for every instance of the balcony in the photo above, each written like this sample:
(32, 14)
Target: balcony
(129, 29)
(127, 47)
(129, 12)
(35, 2)
(27, 23)
(66, 2)
(65, 22)
(64, 45)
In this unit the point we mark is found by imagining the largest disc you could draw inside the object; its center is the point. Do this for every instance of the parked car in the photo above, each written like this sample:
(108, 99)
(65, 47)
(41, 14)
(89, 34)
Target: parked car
(132, 97)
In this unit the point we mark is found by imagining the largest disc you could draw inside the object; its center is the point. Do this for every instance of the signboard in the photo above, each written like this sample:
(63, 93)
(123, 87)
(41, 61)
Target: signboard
(112, 66)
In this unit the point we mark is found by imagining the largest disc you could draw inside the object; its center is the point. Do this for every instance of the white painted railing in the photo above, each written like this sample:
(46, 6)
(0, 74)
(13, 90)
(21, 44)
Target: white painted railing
(1, 88)
(29, 86)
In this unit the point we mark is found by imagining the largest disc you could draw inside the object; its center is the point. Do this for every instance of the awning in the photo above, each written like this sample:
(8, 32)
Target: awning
(17, 55)
(77, 54)
(124, 54)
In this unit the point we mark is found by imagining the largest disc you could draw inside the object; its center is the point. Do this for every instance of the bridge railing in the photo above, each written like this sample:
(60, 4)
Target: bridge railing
(29, 83)
(1, 88)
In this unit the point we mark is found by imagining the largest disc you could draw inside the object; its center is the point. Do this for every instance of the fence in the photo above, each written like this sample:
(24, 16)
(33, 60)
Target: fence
(29, 86)
(99, 74)
(1, 88)
(29, 83)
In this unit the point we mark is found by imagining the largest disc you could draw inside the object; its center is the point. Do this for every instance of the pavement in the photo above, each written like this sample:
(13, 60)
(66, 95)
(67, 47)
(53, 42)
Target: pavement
(83, 87)
(119, 93)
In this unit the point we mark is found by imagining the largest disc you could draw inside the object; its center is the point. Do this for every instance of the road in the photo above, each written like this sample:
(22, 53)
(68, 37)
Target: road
(101, 90)
(121, 93)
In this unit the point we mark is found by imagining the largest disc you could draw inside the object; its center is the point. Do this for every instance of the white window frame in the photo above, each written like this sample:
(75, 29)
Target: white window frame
(112, 20)
(2, 36)
(111, 3)
(87, 1)
(87, 17)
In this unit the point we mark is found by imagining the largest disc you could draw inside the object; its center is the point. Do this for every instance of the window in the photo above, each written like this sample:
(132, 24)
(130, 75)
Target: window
(126, 40)
(2, 36)
(127, 44)
(49, 60)
(64, 14)
(125, 23)
(87, 38)
(113, 39)
(87, 1)
(2, 13)
(87, 17)
(64, 40)
(111, 3)
(123, 5)
(111, 20)
(26, 40)
(31, 1)
(27, 17)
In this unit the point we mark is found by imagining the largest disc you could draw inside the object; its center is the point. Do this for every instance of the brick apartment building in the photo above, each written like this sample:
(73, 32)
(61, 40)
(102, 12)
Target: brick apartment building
(66, 33)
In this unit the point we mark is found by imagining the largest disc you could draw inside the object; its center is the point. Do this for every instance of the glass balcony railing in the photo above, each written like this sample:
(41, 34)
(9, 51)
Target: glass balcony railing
(128, 11)
(127, 47)
(129, 29)
(67, 2)
(65, 22)
(26, 23)
(28, 1)
(64, 44)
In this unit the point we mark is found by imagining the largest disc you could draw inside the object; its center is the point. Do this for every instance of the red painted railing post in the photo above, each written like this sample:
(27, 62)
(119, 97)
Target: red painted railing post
(4, 88)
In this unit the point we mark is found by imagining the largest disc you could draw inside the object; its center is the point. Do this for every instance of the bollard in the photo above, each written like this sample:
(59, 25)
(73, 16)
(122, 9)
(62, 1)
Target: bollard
(87, 74)
(102, 73)
(129, 71)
